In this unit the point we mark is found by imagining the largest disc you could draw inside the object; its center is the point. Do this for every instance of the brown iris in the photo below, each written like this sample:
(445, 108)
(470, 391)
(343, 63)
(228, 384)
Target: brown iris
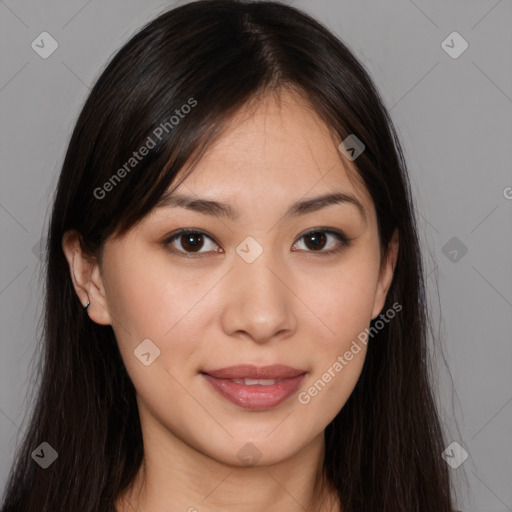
(192, 241)
(318, 240)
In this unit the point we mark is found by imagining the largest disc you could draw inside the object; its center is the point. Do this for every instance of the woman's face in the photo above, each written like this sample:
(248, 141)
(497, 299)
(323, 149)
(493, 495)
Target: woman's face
(251, 289)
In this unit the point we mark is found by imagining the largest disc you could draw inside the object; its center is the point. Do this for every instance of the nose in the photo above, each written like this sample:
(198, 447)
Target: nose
(259, 302)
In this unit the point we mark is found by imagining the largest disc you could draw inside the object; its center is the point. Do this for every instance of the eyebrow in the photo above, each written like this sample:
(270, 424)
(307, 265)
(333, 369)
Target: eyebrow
(220, 209)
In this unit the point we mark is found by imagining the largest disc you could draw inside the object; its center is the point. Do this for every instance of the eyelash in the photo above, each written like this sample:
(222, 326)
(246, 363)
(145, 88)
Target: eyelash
(342, 238)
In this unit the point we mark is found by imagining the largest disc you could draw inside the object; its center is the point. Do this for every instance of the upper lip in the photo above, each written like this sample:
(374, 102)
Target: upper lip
(249, 371)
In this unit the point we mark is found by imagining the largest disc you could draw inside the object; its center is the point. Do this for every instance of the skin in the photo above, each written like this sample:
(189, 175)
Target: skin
(295, 307)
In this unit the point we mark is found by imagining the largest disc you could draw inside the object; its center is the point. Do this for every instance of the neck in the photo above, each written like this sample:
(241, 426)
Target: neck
(176, 477)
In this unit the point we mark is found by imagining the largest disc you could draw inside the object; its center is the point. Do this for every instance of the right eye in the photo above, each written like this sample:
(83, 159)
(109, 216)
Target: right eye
(190, 240)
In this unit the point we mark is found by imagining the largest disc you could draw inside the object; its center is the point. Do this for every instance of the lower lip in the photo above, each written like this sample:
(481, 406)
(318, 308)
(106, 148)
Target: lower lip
(255, 397)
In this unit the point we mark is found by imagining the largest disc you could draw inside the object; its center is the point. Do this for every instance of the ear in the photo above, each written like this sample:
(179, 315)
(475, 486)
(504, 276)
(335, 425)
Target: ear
(86, 277)
(386, 274)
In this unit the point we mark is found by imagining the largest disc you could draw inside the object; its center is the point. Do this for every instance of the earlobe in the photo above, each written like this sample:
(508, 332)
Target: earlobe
(86, 278)
(386, 274)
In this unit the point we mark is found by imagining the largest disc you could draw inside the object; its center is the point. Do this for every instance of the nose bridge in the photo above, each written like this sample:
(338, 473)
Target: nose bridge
(259, 303)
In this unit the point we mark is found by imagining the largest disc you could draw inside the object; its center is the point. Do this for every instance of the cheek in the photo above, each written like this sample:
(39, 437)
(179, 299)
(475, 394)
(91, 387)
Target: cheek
(342, 299)
(338, 356)
(147, 296)
(150, 300)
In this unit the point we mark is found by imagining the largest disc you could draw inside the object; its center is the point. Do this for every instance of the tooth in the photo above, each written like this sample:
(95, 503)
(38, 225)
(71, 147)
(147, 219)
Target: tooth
(254, 382)
(261, 382)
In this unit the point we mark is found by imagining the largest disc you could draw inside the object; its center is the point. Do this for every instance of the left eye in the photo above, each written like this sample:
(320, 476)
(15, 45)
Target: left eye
(316, 240)
(192, 241)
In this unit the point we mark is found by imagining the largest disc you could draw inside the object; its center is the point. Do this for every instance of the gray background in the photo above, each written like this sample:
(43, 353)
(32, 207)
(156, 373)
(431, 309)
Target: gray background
(454, 117)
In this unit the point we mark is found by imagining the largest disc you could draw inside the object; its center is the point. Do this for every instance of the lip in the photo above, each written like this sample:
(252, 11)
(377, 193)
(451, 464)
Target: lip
(250, 371)
(255, 397)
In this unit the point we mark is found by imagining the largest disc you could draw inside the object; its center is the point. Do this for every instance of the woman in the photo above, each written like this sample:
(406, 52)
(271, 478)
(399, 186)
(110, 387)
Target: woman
(234, 216)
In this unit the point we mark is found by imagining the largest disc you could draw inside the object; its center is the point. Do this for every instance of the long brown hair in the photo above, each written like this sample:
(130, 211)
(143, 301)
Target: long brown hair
(383, 449)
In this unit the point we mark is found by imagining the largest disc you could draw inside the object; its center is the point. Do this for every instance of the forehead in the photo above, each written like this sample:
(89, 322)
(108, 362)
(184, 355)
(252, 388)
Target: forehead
(275, 149)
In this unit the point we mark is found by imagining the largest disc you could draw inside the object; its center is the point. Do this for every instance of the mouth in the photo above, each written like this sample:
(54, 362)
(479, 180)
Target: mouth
(256, 388)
